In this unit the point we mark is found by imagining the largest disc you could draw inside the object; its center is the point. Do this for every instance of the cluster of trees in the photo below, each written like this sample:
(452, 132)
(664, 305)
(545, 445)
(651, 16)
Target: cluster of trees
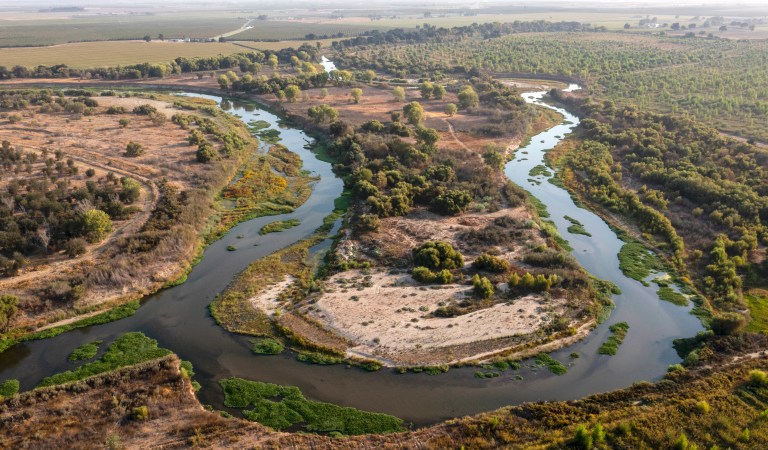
(230, 143)
(44, 209)
(250, 61)
(719, 81)
(432, 33)
(711, 190)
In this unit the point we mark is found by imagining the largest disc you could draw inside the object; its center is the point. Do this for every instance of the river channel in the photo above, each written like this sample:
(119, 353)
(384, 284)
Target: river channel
(178, 317)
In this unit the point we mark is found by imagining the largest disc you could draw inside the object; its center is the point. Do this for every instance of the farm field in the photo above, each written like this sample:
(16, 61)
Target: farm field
(17, 33)
(115, 53)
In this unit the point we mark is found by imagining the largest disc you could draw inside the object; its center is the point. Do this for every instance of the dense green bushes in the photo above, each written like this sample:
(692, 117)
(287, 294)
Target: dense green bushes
(282, 407)
(437, 255)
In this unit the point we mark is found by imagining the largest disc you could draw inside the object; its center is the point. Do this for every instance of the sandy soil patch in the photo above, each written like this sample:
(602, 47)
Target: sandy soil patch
(269, 300)
(387, 315)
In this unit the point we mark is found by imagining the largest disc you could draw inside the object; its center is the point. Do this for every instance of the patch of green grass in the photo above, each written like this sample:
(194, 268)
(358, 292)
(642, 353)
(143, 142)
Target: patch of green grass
(636, 262)
(231, 248)
(267, 346)
(270, 136)
(576, 227)
(611, 346)
(121, 312)
(551, 364)
(85, 351)
(9, 388)
(668, 294)
(550, 230)
(758, 311)
(319, 358)
(281, 407)
(540, 207)
(486, 374)
(126, 350)
(539, 170)
(278, 226)
(257, 125)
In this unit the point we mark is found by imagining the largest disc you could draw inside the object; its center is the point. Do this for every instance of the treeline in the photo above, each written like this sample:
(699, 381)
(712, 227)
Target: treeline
(719, 81)
(432, 33)
(245, 61)
(682, 181)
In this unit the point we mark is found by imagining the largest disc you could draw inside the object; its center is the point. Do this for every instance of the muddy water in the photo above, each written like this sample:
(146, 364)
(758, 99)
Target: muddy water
(178, 317)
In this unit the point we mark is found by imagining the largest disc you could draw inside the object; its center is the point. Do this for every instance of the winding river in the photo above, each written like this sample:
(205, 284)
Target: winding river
(178, 317)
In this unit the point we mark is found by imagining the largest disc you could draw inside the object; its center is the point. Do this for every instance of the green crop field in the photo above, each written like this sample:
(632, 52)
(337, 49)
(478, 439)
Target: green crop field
(278, 30)
(50, 32)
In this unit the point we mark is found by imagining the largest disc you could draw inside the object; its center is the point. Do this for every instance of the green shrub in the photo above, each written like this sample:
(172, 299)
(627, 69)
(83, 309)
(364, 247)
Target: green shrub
(423, 274)
(134, 149)
(368, 222)
(444, 277)
(758, 378)
(267, 346)
(551, 363)
(85, 351)
(140, 413)
(728, 323)
(482, 287)
(490, 263)
(702, 407)
(437, 255)
(451, 202)
(9, 388)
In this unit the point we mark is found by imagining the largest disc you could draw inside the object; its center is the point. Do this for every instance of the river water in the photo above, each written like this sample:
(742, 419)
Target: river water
(178, 317)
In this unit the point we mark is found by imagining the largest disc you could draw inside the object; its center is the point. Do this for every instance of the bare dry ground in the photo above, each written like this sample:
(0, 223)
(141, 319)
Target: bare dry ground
(387, 316)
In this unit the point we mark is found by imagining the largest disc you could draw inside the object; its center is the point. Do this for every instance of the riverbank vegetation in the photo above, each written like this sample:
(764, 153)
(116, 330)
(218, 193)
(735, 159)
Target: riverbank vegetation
(127, 350)
(705, 210)
(160, 203)
(618, 333)
(293, 409)
(722, 408)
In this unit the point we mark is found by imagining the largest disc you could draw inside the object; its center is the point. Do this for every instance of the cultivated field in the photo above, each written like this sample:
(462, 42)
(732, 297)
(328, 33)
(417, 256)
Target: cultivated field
(121, 53)
(16, 33)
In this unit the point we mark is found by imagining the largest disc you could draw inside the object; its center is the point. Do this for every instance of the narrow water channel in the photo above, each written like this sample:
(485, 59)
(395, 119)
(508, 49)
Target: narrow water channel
(178, 317)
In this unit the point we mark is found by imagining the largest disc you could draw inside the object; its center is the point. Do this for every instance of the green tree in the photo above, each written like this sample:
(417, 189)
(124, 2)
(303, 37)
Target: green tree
(292, 93)
(272, 61)
(414, 113)
(426, 90)
(9, 388)
(322, 113)
(96, 224)
(451, 109)
(494, 159)
(468, 97)
(398, 93)
(224, 82)
(356, 94)
(438, 91)
(9, 307)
